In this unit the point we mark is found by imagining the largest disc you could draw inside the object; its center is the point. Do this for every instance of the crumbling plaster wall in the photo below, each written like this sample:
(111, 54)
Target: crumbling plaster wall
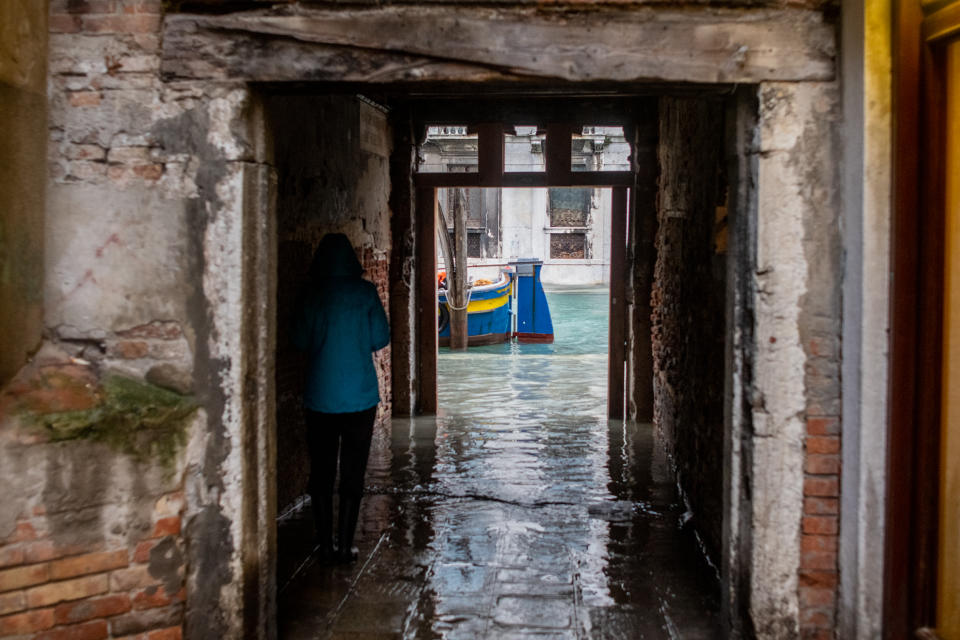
(782, 451)
(159, 267)
(793, 462)
(23, 110)
(332, 158)
(689, 308)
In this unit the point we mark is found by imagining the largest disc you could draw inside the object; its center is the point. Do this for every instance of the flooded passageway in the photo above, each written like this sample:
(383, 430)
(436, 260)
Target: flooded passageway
(518, 512)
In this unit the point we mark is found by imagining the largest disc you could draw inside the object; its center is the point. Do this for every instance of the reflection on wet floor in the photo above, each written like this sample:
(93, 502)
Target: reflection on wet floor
(520, 511)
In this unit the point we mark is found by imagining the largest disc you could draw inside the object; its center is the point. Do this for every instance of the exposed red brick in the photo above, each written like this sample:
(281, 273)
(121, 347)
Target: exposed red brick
(126, 23)
(40, 551)
(821, 506)
(818, 578)
(148, 171)
(73, 612)
(142, 552)
(156, 596)
(135, 577)
(122, 172)
(12, 602)
(816, 634)
(824, 560)
(51, 388)
(155, 330)
(821, 486)
(23, 532)
(19, 577)
(89, 563)
(118, 172)
(824, 464)
(75, 589)
(11, 555)
(43, 550)
(820, 525)
(128, 349)
(823, 444)
(95, 630)
(823, 426)
(818, 543)
(84, 98)
(26, 622)
(816, 596)
(167, 527)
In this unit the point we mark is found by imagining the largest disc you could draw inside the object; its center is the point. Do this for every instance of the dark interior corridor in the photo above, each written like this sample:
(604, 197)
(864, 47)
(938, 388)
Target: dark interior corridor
(544, 520)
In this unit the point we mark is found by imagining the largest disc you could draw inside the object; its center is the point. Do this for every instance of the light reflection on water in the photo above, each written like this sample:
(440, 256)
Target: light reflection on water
(526, 423)
(512, 383)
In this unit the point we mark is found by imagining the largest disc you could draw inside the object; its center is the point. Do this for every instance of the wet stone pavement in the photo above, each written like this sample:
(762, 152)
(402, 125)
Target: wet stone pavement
(518, 512)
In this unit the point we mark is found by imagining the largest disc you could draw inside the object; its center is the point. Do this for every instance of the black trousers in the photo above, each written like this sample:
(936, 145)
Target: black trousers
(346, 434)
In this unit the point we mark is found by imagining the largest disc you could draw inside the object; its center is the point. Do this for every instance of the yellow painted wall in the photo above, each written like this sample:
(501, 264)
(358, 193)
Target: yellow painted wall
(23, 152)
(948, 588)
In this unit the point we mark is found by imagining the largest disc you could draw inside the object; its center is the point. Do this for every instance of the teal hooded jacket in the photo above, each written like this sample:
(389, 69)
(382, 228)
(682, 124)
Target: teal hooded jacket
(339, 324)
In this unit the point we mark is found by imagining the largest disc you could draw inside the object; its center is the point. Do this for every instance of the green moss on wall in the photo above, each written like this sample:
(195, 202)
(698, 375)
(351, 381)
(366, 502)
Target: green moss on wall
(135, 417)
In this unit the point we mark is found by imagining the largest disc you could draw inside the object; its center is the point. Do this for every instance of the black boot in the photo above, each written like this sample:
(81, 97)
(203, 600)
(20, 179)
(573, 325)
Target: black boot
(347, 525)
(323, 520)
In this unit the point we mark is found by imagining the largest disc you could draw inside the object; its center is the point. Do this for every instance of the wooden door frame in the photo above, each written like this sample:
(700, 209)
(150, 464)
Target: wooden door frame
(917, 250)
(491, 174)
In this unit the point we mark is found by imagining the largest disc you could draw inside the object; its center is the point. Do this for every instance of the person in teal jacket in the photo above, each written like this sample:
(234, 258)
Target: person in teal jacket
(339, 324)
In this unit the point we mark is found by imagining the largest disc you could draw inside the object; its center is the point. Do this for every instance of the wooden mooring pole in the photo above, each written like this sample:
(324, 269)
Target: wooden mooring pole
(458, 282)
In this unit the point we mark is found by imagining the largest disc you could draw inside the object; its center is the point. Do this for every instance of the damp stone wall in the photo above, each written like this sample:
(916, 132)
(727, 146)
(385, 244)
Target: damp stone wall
(121, 467)
(688, 302)
(332, 160)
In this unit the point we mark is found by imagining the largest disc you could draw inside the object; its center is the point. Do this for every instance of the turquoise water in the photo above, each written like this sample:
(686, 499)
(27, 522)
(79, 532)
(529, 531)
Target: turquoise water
(496, 383)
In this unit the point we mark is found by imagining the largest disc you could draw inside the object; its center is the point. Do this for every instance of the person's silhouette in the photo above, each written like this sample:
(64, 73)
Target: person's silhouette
(339, 325)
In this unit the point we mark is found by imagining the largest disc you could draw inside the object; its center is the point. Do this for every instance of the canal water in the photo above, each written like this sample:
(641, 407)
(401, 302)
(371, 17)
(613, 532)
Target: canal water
(518, 511)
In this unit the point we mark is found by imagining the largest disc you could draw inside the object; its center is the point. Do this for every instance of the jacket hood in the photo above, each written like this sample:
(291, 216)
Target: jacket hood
(334, 257)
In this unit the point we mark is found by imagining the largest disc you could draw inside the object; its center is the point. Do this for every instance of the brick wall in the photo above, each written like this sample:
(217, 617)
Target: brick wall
(90, 538)
(818, 560)
(51, 590)
(688, 301)
(97, 552)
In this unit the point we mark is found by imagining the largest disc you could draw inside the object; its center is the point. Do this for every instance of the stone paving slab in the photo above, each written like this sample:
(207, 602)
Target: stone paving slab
(535, 612)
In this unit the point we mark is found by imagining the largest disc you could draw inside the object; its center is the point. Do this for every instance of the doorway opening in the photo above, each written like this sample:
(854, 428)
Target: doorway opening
(345, 163)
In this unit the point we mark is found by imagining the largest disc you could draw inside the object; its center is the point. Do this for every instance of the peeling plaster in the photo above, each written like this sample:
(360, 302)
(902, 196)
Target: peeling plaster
(785, 203)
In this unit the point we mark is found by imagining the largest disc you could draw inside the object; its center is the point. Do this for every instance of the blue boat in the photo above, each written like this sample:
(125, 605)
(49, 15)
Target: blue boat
(513, 307)
(533, 321)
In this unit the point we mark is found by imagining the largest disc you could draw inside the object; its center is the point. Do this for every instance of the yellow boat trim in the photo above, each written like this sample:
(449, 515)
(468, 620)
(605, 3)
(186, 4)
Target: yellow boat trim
(479, 306)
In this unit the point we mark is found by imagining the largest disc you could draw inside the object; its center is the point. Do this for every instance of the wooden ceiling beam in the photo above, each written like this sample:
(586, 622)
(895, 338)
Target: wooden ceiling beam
(416, 44)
